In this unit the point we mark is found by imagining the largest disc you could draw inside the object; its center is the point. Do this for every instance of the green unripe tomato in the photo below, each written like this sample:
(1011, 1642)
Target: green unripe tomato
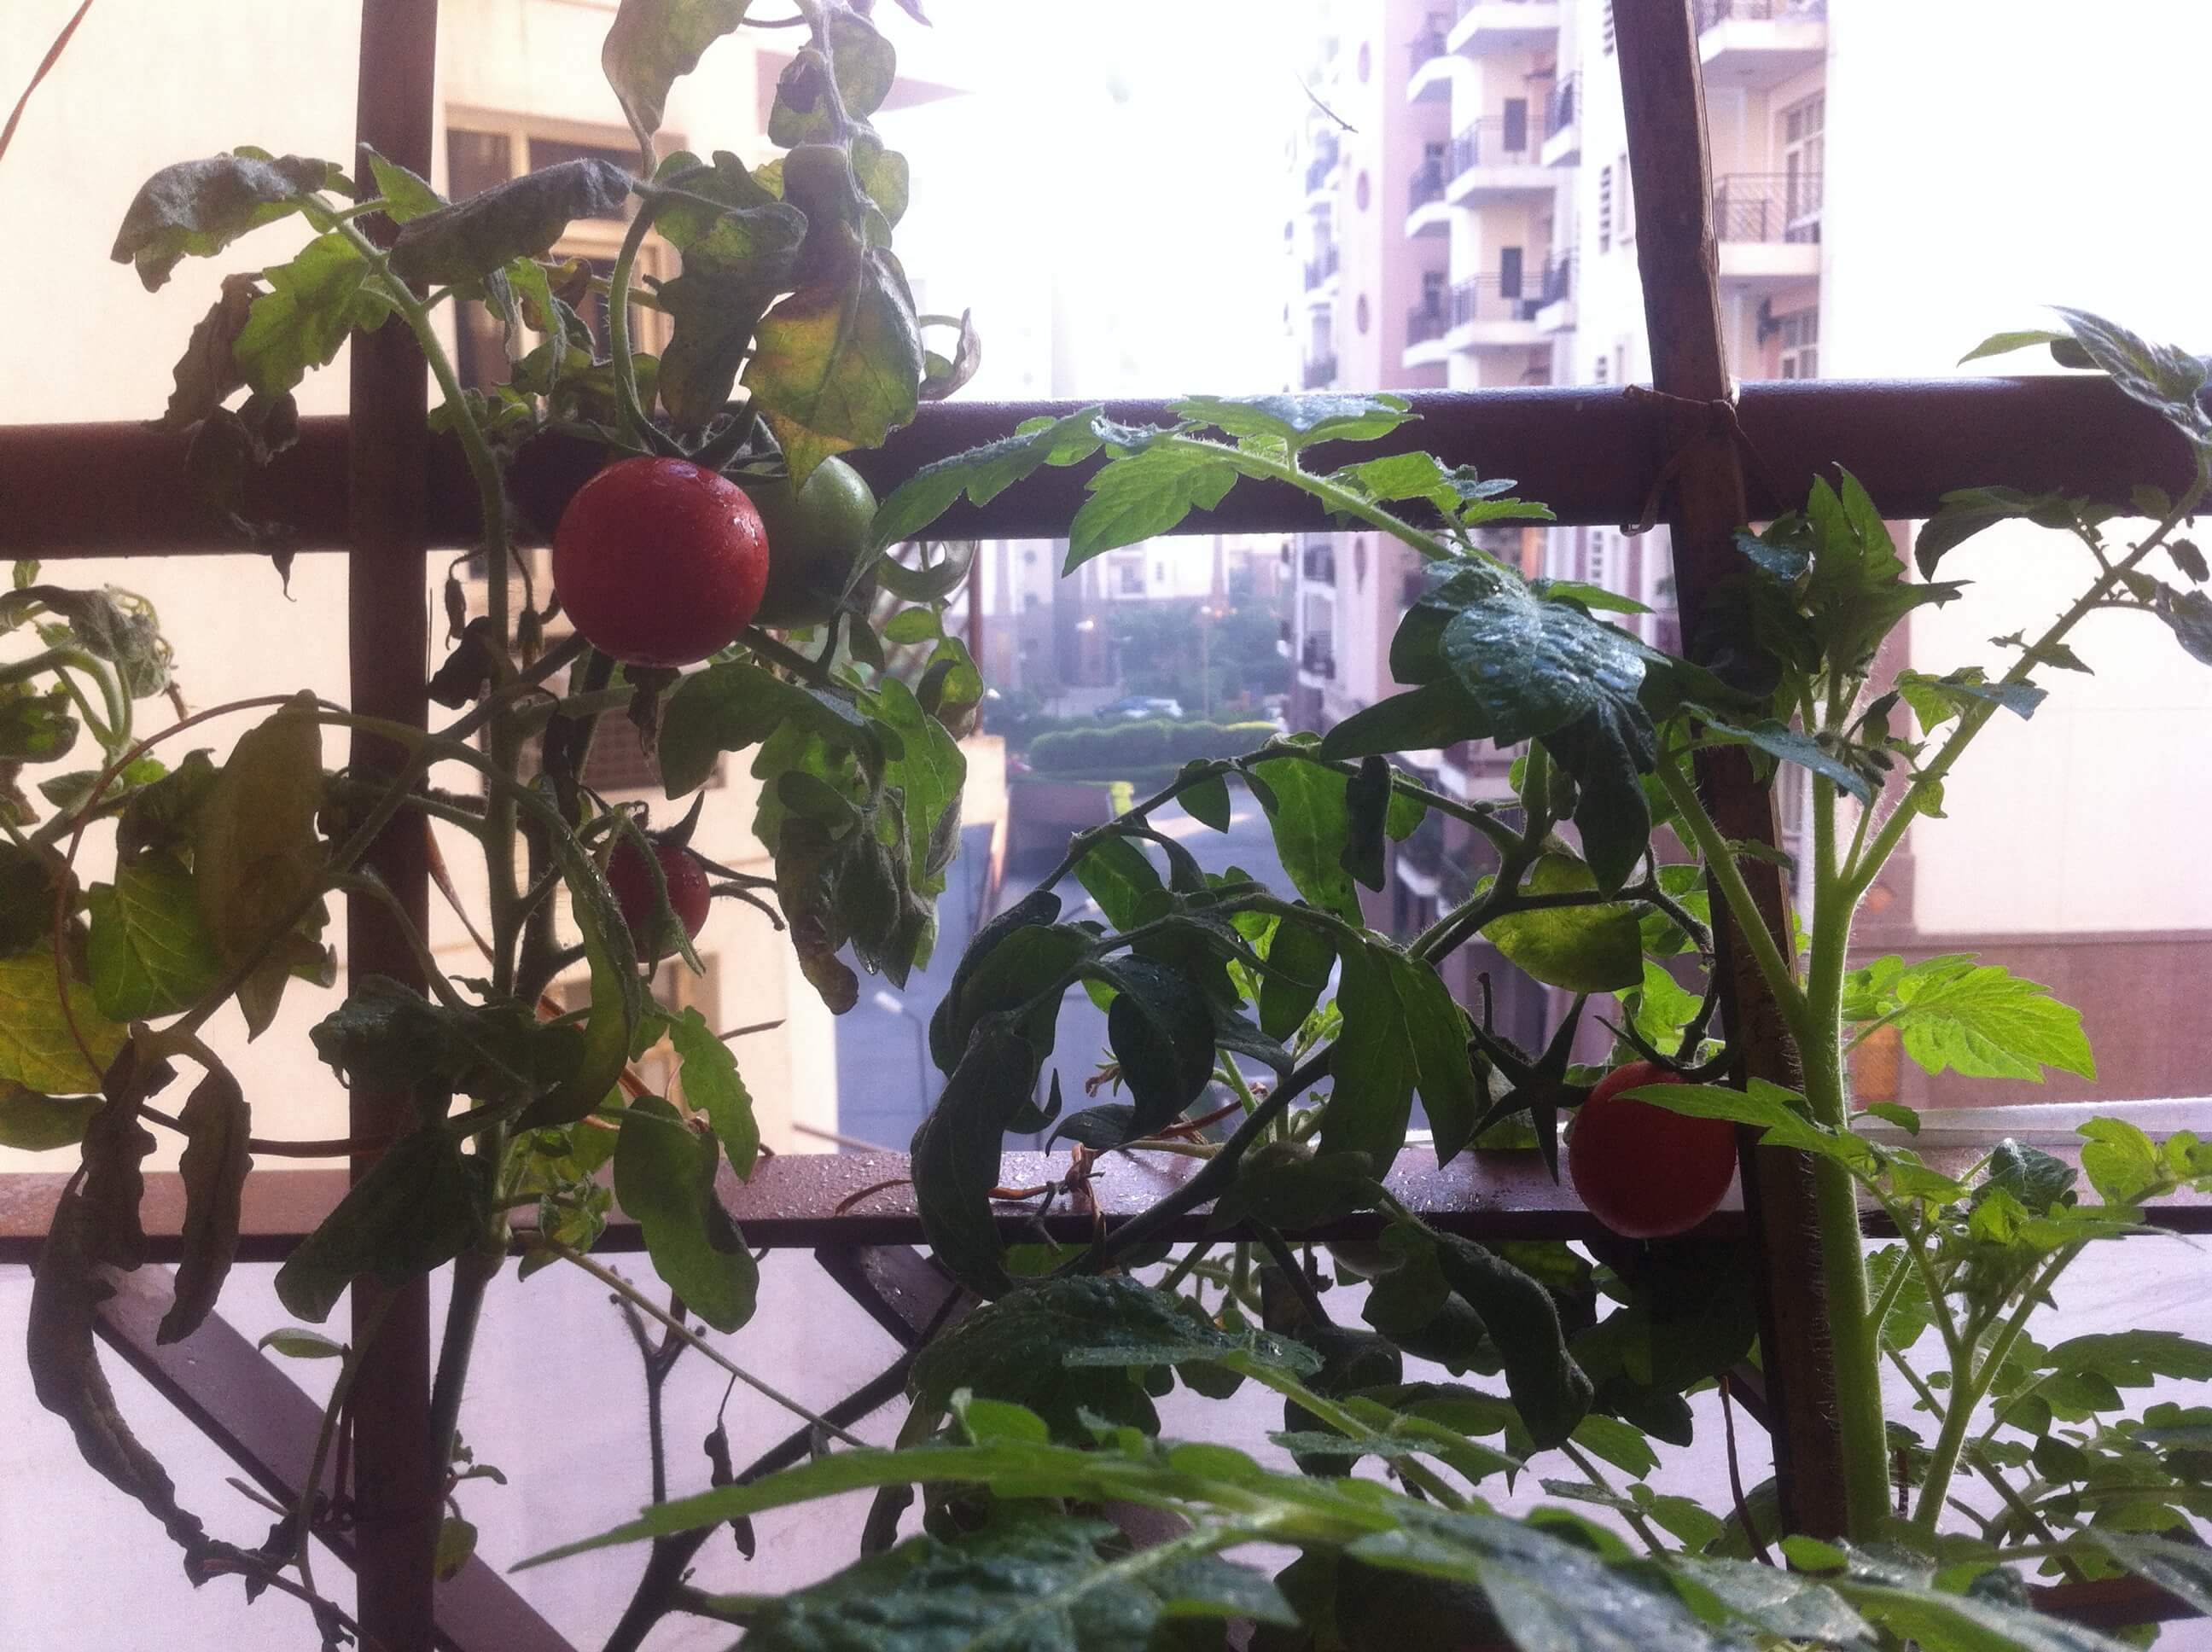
(815, 539)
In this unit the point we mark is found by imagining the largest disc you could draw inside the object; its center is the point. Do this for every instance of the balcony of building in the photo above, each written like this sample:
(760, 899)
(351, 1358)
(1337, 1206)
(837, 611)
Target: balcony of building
(1555, 299)
(1319, 371)
(1326, 152)
(1487, 27)
(1317, 659)
(1485, 313)
(1426, 211)
(1321, 273)
(1497, 159)
(1768, 224)
(1563, 122)
(1431, 64)
(1317, 560)
(1755, 44)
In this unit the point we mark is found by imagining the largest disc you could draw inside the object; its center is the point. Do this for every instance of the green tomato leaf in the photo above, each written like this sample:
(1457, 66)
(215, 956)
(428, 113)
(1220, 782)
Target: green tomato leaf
(1162, 1035)
(864, 66)
(1293, 423)
(1436, 714)
(38, 1124)
(1857, 592)
(1305, 806)
(1531, 666)
(1979, 1020)
(419, 1206)
(1548, 1388)
(1144, 494)
(1608, 749)
(2158, 375)
(1580, 949)
(984, 473)
(1965, 511)
(519, 218)
(664, 1177)
(712, 1086)
(255, 851)
(1366, 803)
(36, 728)
(1375, 1066)
(956, 1153)
(37, 1050)
(2188, 614)
(1301, 956)
(196, 208)
(314, 304)
(151, 951)
(734, 704)
(1043, 1577)
(653, 43)
(217, 1122)
(295, 1342)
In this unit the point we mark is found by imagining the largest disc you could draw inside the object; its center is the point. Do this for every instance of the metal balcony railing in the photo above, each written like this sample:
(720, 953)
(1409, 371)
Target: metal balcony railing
(1428, 45)
(1559, 278)
(1710, 14)
(1321, 266)
(1317, 653)
(1767, 206)
(1493, 142)
(1427, 321)
(1318, 562)
(1467, 6)
(1487, 297)
(1320, 371)
(1426, 185)
(1562, 108)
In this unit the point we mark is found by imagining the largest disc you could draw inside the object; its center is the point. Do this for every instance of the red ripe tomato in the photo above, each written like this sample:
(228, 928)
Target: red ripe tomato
(659, 561)
(631, 880)
(1645, 1172)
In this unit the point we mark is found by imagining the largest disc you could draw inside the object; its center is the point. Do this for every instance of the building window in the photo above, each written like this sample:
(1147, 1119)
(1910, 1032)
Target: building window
(1605, 29)
(483, 150)
(1600, 373)
(1597, 559)
(1799, 334)
(1627, 201)
(1359, 316)
(1605, 208)
(1130, 579)
(1803, 148)
(1366, 62)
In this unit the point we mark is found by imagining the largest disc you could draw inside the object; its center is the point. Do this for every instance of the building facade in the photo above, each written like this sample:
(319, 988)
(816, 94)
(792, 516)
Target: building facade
(1497, 125)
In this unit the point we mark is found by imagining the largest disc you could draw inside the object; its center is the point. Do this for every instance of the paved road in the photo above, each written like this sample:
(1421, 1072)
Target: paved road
(885, 1084)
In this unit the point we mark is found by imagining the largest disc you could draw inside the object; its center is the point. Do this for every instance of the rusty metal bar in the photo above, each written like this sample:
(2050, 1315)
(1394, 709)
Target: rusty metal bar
(243, 1402)
(397, 1485)
(1663, 95)
(1589, 452)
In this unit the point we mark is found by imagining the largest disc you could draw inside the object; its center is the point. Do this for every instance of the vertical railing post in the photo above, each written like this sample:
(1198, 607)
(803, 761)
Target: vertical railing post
(396, 1490)
(1678, 258)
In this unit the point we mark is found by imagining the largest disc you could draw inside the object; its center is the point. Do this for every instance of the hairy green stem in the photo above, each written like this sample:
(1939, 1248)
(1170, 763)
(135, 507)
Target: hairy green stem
(1720, 863)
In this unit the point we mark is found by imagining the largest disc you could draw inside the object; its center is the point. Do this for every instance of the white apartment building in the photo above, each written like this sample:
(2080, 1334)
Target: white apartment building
(1889, 189)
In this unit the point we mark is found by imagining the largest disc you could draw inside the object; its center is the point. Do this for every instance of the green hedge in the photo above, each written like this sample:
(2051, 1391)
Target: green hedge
(1152, 745)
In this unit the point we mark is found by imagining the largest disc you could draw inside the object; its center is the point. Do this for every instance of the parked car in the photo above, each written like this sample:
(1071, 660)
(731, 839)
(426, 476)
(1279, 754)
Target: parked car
(1138, 706)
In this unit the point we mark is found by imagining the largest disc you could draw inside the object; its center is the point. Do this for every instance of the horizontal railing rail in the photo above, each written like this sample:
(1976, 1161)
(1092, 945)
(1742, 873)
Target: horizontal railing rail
(1589, 452)
(1494, 142)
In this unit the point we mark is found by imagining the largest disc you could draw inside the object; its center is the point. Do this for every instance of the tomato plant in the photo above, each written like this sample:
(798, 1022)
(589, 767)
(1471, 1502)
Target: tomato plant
(1644, 1171)
(794, 339)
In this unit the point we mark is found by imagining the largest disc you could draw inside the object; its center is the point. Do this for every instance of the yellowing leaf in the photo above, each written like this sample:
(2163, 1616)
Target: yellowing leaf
(36, 1048)
(255, 854)
(150, 951)
(1581, 949)
(837, 364)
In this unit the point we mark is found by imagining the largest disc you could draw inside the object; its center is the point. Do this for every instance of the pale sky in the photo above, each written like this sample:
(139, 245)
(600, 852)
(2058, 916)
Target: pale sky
(1136, 151)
